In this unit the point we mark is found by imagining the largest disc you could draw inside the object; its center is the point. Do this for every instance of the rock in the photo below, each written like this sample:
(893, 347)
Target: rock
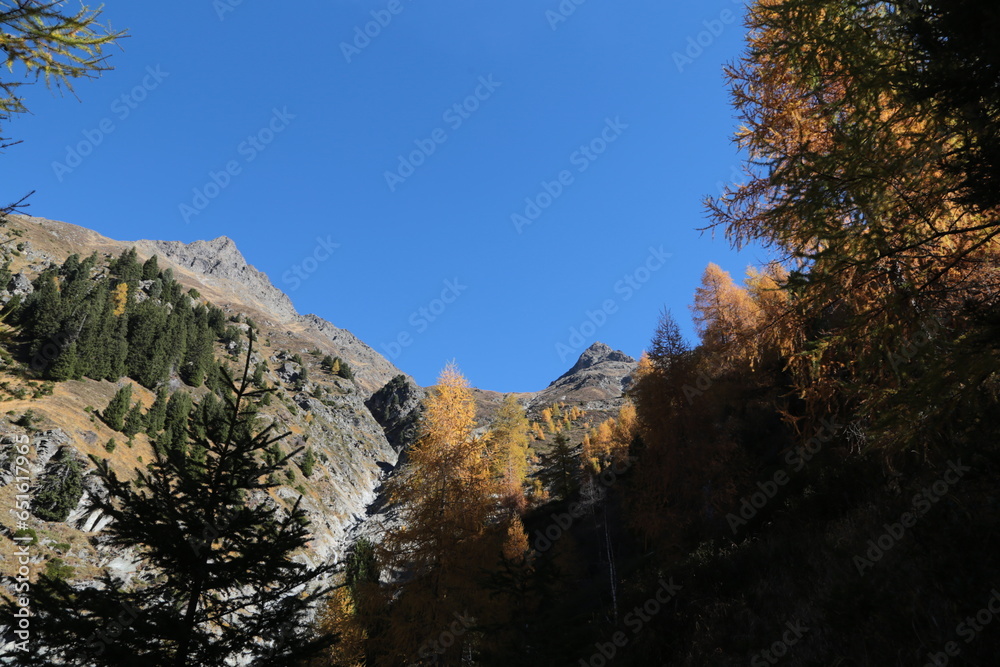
(289, 372)
(397, 407)
(20, 284)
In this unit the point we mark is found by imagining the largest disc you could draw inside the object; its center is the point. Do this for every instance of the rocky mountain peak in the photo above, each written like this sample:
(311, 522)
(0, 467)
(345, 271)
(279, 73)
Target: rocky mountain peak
(597, 379)
(221, 259)
(597, 353)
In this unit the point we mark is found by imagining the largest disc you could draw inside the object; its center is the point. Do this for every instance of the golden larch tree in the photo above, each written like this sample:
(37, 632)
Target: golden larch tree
(447, 500)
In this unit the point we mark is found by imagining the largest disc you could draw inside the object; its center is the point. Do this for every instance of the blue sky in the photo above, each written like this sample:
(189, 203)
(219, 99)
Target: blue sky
(469, 180)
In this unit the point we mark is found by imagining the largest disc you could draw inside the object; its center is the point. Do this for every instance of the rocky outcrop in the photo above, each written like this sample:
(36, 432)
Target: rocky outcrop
(220, 263)
(370, 368)
(397, 408)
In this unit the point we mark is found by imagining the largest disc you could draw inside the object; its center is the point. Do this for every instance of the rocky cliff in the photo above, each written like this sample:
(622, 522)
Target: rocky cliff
(326, 413)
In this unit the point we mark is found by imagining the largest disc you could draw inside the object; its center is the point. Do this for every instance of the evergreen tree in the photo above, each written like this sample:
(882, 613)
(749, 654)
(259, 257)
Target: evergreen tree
(560, 467)
(227, 586)
(60, 487)
(328, 364)
(174, 434)
(198, 356)
(150, 270)
(216, 320)
(302, 379)
(128, 269)
(258, 374)
(42, 314)
(94, 341)
(70, 266)
(157, 415)
(156, 289)
(66, 365)
(118, 347)
(308, 462)
(5, 275)
(133, 421)
(114, 414)
(146, 360)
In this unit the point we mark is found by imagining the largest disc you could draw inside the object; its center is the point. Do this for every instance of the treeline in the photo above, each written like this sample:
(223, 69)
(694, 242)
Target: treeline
(126, 319)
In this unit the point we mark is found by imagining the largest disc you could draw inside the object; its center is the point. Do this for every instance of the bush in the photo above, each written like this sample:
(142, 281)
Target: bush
(28, 419)
(26, 532)
(55, 568)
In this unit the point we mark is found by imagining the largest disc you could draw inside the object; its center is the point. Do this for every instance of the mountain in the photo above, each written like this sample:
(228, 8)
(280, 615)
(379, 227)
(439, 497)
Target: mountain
(596, 381)
(327, 413)
(350, 412)
(358, 428)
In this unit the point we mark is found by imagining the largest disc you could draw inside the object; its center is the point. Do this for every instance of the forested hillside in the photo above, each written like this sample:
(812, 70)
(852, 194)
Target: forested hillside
(812, 481)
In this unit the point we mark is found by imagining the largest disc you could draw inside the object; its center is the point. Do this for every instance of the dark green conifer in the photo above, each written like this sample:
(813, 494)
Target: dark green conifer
(114, 414)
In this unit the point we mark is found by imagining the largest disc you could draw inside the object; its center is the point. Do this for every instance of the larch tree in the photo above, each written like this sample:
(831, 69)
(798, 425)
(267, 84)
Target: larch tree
(724, 314)
(447, 500)
(869, 162)
(510, 451)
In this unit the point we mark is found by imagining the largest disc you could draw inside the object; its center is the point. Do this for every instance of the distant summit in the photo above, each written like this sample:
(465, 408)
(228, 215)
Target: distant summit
(598, 379)
(597, 353)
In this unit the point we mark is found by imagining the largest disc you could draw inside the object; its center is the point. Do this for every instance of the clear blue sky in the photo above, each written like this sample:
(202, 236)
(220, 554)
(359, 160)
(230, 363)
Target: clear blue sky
(201, 77)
